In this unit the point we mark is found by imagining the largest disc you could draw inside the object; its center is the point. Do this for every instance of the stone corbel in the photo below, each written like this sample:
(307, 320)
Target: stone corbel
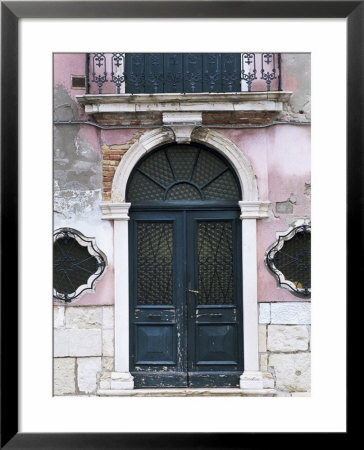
(254, 209)
(182, 124)
(183, 134)
(115, 211)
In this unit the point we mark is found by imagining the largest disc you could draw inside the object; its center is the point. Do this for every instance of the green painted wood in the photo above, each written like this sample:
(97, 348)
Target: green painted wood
(192, 72)
(215, 334)
(173, 72)
(183, 240)
(157, 330)
(184, 342)
(231, 75)
(154, 76)
(212, 72)
(182, 72)
(135, 73)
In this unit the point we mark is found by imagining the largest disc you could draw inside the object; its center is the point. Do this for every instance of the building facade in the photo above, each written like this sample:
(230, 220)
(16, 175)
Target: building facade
(182, 229)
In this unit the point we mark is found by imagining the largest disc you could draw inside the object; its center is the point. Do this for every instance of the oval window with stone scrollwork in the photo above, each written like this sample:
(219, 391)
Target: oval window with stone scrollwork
(77, 264)
(289, 259)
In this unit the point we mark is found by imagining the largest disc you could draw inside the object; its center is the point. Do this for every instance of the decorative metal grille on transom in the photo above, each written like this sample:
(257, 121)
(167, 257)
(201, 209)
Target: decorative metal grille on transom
(77, 264)
(154, 263)
(290, 260)
(182, 172)
(215, 263)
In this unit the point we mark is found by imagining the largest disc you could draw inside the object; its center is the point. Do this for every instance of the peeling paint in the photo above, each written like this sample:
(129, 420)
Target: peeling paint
(308, 189)
(284, 207)
(74, 204)
(75, 159)
(296, 69)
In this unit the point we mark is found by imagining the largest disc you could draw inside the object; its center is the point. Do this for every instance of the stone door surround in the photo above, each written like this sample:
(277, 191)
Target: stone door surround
(251, 210)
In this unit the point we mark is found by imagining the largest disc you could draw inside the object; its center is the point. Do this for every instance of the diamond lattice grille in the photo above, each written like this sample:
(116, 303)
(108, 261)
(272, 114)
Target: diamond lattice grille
(154, 263)
(215, 262)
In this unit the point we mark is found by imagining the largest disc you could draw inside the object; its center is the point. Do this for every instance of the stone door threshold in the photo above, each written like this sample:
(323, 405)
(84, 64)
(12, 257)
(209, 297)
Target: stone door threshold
(217, 392)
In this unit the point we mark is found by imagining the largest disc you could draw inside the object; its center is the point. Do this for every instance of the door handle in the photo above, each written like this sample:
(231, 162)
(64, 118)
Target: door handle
(192, 291)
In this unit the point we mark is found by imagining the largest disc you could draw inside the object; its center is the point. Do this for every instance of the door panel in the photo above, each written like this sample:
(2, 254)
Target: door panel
(214, 312)
(215, 344)
(155, 344)
(185, 298)
(157, 312)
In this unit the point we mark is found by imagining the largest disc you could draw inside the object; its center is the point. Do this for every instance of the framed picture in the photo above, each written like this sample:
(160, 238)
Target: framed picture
(80, 69)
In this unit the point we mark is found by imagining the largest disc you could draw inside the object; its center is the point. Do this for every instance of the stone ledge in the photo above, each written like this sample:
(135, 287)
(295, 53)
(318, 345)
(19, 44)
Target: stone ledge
(129, 101)
(187, 392)
(210, 108)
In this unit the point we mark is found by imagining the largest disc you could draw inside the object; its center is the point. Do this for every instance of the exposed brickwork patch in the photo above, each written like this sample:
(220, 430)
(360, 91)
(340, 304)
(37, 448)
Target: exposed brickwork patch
(112, 155)
(208, 118)
(129, 119)
(236, 117)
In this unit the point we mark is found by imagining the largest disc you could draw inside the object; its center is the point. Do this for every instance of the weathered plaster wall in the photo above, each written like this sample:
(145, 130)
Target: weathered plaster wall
(66, 65)
(280, 157)
(78, 173)
(296, 77)
(85, 159)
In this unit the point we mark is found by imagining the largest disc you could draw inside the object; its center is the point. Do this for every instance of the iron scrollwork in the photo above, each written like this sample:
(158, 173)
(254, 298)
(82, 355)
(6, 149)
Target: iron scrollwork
(268, 76)
(99, 72)
(184, 72)
(117, 70)
(77, 264)
(249, 75)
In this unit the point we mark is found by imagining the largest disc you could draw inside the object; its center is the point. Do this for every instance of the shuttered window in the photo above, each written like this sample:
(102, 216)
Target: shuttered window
(153, 73)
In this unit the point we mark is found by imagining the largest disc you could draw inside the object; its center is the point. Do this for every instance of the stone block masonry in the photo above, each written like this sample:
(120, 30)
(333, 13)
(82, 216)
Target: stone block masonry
(75, 342)
(64, 376)
(291, 313)
(87, 371)
(291, 371)
(287, 338)
(83, 348)
(285, 347)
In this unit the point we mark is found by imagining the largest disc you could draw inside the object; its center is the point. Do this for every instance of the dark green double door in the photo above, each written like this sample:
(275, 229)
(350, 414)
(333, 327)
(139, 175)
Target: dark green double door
(186, 301)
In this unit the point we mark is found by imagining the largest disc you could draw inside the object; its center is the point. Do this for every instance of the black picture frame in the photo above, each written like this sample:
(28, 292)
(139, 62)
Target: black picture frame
(11, 12)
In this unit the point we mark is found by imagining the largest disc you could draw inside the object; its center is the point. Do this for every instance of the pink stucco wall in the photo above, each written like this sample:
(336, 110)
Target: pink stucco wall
(279, 155)
(66, 65)
(103, 295)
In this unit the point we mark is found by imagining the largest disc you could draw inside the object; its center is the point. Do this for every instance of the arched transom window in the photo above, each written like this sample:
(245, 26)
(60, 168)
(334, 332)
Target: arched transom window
(183, 172)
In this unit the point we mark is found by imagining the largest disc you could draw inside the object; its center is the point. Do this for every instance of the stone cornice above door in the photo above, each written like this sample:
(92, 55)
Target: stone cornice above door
(232, 108)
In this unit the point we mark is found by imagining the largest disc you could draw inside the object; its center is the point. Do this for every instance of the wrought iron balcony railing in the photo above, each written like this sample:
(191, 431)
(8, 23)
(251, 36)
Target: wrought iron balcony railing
(110, 73)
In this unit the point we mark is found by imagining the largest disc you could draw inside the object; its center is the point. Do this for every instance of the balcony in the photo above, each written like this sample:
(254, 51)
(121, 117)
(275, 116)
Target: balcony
(151, 89)
(152, 73)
